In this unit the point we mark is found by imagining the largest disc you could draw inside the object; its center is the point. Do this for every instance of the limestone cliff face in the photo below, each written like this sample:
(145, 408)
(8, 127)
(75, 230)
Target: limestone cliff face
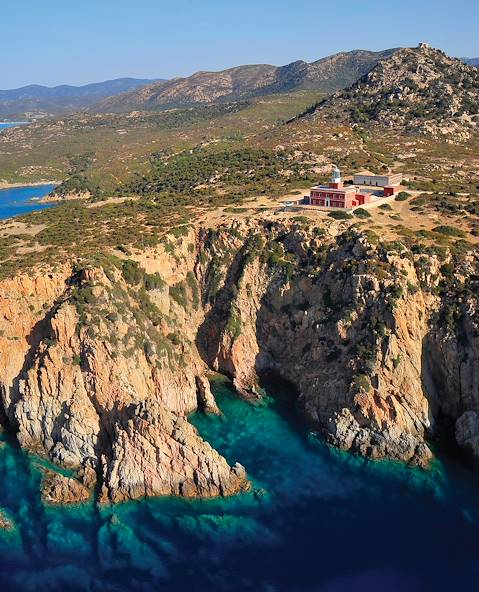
(102, 361)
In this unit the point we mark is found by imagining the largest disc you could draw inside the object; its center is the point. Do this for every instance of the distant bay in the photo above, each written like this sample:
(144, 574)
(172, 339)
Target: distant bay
(7, 124)
(21, 200)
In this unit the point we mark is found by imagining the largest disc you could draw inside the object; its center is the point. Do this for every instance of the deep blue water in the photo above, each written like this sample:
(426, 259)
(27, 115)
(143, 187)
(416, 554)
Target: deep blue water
(317, 520)
(18, 200)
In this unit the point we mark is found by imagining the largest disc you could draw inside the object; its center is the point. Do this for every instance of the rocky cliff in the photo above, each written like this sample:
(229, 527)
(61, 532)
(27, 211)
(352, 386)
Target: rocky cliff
(103, 360)
(94, 377)
(379, 341)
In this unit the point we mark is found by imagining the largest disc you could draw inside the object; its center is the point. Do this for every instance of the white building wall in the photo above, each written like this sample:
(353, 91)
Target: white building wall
(378, 180)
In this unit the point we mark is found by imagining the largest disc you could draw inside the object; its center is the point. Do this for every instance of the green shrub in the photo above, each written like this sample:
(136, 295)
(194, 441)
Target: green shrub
(340, 215)
(402, 196)
(301, 219)
(235, 324)
(361, 213)
(362, 382)
(450, 231)
(148, 309)
(193, 285)
(153, 281)
(178, 293)
(132, 273)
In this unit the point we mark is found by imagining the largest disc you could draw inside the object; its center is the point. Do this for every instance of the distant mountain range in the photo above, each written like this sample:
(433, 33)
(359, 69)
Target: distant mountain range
(471, 61)
(327, 75)
(44, 100)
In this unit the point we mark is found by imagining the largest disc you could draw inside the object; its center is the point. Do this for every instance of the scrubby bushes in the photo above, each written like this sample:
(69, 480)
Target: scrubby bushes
(340, 215)
(361, 213)
(153, 281)
(450, 231)
(132, 273)
(179, 295)
(197, 169)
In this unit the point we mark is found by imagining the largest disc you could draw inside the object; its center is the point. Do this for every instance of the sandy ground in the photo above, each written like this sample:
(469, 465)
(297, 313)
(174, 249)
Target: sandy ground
(12, 226)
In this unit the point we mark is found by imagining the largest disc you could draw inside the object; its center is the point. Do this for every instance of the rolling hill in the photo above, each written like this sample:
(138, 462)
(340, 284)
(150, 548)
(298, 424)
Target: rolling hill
(326, 75)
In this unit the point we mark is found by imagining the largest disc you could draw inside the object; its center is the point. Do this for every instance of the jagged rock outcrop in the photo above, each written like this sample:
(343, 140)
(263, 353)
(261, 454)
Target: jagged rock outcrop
(353, 354)
(417, 89)
(58, 489)
(354, 331)
(101, 363)
(191, 467)
(94, 378)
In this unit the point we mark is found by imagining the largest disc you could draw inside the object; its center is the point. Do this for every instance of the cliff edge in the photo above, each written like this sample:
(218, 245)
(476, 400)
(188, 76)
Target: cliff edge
(103, 360)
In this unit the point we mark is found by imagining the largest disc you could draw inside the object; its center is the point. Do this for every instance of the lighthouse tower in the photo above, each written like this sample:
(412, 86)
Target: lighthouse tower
(336, 181)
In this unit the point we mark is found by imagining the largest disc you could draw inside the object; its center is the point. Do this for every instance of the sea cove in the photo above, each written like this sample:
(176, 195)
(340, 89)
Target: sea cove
(21, 200)
(407, 529)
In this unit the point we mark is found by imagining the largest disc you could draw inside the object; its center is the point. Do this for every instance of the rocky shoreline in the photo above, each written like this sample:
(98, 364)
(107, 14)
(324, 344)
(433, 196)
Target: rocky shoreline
(102, 362)
(69, 197)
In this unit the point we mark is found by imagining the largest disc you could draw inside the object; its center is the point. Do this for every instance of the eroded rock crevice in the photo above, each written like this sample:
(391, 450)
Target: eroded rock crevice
(101, 366)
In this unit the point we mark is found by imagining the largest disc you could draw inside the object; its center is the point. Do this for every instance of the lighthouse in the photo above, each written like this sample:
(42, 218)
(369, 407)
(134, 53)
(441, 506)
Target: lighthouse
(336, 181)
(336, 177)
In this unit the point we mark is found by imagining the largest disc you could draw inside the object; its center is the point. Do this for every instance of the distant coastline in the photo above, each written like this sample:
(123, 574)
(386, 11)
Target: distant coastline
(6, 185)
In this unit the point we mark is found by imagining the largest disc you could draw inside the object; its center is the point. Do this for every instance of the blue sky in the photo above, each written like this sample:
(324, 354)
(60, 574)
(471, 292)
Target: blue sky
(80, 41)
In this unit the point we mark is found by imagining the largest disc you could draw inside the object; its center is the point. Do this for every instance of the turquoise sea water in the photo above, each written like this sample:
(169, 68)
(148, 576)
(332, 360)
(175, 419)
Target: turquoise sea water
(316, 520)
(5, 124)
(18, 200)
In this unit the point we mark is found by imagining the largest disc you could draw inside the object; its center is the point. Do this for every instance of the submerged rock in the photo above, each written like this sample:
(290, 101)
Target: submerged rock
(5, 523)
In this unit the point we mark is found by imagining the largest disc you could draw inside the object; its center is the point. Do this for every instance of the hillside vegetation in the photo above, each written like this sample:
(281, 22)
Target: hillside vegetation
(123, 143)
(326, 75)
(417, 89)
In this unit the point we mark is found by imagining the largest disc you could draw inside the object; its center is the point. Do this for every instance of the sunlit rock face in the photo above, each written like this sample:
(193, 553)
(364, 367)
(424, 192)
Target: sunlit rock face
(103, 361)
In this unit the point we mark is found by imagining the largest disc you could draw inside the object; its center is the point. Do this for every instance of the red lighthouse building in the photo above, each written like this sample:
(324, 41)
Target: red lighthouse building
(336, 195)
